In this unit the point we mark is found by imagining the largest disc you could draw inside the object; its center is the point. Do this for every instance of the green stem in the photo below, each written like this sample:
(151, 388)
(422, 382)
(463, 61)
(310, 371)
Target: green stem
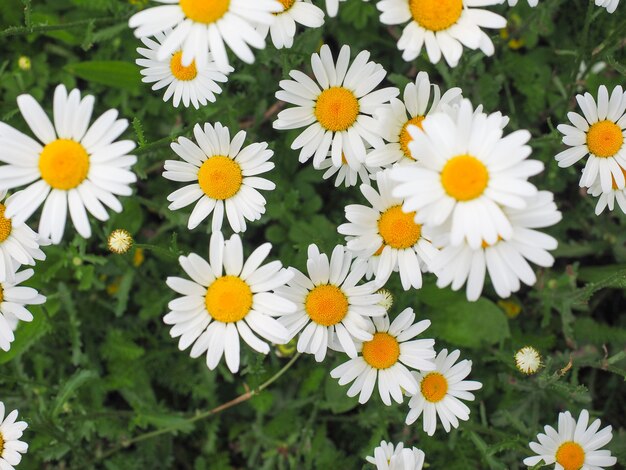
(42, 28)
(240, 399)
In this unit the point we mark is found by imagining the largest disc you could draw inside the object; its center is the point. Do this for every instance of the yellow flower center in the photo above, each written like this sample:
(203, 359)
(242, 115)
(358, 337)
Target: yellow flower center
(570, 455)
(436, 15)
(337, 109)
(204, 11)
(287, 4)
(405, 137)
(1, 300)
(228, 299)
(182, 73)
(464, 177)
(5, 224)
(220, 177)
(434, 387)
(1, 436)
(63, 164)
(382, 351)
(326, 305)
(398, 228)
(604, 139)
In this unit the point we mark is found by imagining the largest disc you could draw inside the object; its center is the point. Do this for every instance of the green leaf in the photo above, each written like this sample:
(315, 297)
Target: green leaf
(27, 334)
(79, 379)
(113, 73)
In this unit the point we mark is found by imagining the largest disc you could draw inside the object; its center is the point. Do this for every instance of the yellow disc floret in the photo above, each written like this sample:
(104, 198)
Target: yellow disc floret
(287, 4)
(326, 305)
(464, 177)
(398, 229)
(228, 299)
(5, 225)
(337, 109)
(405, 137)
(64, 164)
(434, 387)
(204, 11)
(182, 73)
(570, 455)
(382, 351)
(220, 177)
(436, 15)
(604, 139)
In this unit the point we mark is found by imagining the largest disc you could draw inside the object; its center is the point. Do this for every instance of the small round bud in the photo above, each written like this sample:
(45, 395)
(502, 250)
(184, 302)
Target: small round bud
(120, 241)
(24, 63)
(528, 360)
(286, 350)
(387, 301)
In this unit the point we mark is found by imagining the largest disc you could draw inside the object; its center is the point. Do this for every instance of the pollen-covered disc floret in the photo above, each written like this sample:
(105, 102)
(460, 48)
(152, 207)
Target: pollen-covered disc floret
(283, 29)
(528, 360)
(72, 165)
(223, 177)
(13, 299)
(506, 261)
(387, 358)
(467, 173)
(11, 448)
(120, 241)
(199, 27)
(19, 244)
(420, 99)
(443, 27)
(440, 393)
(574, 445)
(227, 298)
(386, 237)
(190, 85)
(330, 304)
(396, 457)
(336, 108)
(599, 134)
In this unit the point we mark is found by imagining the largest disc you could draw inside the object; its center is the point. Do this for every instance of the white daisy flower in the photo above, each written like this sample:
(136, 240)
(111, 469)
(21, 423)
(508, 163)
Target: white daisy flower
(330, 303)
(200, 27)
(528, 360)
(390, 457)
(190, 85)
(11, 447)
(440, 393)
(610, 5)
(466, 172)
(574, 446)
(336, 110)
(283, 29)
(77, 166)
(13, 298)
(395, 118)
(506, 261)
(227, 298)
(608, 198)
(346, 174)
(19, 245)
(385, 236)
(532, 3)
(223, 176)
(599, 134)
(442, 26)
(386, 359)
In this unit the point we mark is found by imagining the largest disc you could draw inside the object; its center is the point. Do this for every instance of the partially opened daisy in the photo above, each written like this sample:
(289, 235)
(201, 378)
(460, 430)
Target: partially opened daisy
(467, 172)
(227, 298)
(420, 99)
(610, 5)
(440, 393)
(387, 358)
(283, 29)
(386, 236)
(200, 27)
(329, 302)
(223, 177)
(390, 457)
(19, 245)
(345, 174)
(574, 445)
(13, 299)
(11, 431)
(600, 134)
(191, 85)
(336, 110)
(72, 165)
(442, 26)
(608, 198)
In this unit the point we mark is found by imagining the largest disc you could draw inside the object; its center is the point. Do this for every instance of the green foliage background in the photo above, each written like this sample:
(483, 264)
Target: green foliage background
(97, 368)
